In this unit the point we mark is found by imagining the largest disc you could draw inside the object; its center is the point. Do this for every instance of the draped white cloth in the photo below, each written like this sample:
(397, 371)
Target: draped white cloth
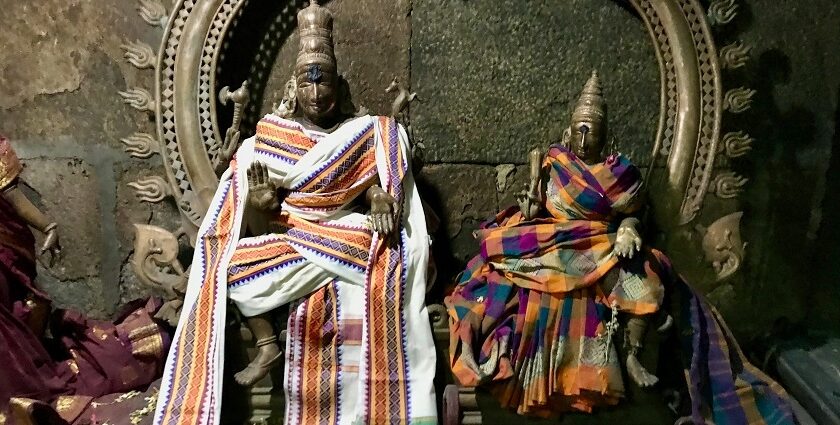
(344, 286)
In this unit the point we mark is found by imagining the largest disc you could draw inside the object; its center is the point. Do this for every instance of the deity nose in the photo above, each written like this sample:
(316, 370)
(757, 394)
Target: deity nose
(584, 130)
(315, 91)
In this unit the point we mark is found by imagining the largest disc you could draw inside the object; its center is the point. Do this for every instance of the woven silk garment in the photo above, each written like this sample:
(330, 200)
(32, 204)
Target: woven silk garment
(359, 347)
(529, 318)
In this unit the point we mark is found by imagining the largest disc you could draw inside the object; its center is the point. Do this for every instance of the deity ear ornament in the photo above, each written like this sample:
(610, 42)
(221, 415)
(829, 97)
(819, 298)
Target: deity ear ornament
(567, 136)
(288, 105)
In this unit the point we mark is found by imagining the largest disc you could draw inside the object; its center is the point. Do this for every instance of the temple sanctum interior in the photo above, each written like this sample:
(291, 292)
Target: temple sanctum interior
(237, 212)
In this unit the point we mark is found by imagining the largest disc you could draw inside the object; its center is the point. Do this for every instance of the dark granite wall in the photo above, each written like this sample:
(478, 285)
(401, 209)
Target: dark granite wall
(497, 78)
(494, 79)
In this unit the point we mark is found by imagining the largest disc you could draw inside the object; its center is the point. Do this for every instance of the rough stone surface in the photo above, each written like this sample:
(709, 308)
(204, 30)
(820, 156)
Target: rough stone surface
(60, 70)
(791, 219)
(76, 211)
(46, 53)
(129, 211)
(497, 78)
(463, 196)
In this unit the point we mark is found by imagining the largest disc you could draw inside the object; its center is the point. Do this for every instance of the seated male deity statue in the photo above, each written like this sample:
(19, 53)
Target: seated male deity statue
(536, 315)
(318, 211)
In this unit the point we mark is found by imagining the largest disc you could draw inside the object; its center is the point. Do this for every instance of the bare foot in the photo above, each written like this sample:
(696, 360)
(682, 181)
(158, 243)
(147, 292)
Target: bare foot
(639, 374)
(267, 357)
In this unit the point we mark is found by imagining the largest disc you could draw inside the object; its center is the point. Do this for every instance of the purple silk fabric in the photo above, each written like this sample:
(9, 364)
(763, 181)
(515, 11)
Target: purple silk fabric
(85, 357)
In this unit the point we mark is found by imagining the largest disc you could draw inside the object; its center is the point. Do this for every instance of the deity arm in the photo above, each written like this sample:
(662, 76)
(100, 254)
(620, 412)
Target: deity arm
(536, 186)
(26, 209)
(532, 199)
(629, 233)
(636, 209)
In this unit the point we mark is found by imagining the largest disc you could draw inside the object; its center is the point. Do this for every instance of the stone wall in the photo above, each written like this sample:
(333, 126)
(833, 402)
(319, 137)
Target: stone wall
(494, 79)
(61, 67)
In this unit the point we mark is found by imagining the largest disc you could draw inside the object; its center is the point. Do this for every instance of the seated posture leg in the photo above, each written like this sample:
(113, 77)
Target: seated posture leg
(268, 353)
(635, 334)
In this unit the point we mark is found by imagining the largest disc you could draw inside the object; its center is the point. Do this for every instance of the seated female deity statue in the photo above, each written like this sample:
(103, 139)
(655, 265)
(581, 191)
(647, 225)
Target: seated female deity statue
(84, 358)
(346, 249)
(536, 315)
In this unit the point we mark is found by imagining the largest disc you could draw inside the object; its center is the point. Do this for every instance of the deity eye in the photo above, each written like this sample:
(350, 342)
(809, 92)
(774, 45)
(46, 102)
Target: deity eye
(314, 74)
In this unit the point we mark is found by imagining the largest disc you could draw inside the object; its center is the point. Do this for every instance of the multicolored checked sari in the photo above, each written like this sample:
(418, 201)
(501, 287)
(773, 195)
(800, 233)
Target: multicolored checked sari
(359, 346)
(531, 320)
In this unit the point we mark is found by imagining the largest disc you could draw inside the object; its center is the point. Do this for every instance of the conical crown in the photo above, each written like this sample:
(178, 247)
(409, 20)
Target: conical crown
(590, 106)
(315, 24)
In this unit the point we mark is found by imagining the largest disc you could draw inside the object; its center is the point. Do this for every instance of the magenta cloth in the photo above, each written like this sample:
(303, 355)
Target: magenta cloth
(85, 357)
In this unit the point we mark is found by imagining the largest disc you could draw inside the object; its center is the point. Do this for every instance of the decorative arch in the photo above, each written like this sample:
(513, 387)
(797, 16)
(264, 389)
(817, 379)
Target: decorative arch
(685, 162)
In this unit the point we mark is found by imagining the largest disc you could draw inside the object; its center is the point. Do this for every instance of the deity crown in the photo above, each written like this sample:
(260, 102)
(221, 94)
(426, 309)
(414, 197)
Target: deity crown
(590, 106)
(315, 24)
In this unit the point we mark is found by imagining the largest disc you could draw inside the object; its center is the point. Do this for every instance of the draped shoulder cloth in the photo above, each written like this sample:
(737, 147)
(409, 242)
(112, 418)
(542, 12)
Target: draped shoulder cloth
(325, 261)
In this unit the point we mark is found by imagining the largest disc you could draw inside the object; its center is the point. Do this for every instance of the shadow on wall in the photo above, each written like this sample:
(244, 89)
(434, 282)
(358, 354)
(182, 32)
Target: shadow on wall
(825, 291)
(778, 199)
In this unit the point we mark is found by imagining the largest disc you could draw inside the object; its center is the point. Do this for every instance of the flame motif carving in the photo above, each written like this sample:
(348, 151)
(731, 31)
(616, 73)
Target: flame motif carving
(736, 144)
(140, 145)
(728, 185)
(722, 12)
(153, 12)
(738, 100)
(151, 189)
(139, 54)
(138, 98)
(735, 55)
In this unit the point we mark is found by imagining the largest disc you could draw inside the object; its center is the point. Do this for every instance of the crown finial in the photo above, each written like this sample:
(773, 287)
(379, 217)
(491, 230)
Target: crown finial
(590, 105)
(315, 24)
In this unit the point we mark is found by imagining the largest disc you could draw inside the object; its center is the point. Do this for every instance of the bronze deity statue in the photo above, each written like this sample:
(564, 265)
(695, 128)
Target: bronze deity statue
(317, 211)
(586, 138)
(536, 317)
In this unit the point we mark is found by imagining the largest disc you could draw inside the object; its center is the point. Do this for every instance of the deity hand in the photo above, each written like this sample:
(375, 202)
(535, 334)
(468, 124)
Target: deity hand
(51, 243)
(530, 199)
(528, 204)
(384, 212)
(627, 240)
(227, 149)
(262, 193)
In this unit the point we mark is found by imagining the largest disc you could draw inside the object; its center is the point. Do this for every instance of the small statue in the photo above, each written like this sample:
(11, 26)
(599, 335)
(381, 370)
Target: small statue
(537, 313)
(318, 210)
(404, 97)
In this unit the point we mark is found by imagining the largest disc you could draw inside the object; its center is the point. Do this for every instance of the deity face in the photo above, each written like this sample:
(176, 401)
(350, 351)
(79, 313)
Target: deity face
(317, 94)
(587, 139)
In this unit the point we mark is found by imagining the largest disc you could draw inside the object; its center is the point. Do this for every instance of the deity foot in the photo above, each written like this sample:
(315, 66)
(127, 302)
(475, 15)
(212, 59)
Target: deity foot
(268, 356)
(639, 374)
